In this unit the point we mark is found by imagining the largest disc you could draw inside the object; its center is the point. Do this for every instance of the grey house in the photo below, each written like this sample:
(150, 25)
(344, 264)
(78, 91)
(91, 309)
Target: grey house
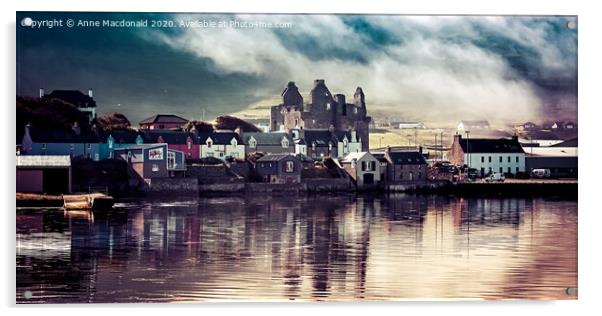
(270, 143)
(279, 168)
(405, 166)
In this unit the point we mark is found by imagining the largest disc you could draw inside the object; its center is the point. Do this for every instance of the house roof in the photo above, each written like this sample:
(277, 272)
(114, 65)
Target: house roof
(339, 135)
(407, 158)
(63, 136)
(74, 97)
(275, 157)
(567, 143)
(170, 137)
(121, 136)
(43, 161)
(355, 156)
(221, 138)
(139, 146)
(380, 157)
(319, 137)
(267, 138)
(542, 135)
(164, 118)
(486, 145)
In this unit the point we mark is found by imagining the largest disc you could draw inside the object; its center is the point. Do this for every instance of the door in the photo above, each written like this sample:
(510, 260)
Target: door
(368, 178)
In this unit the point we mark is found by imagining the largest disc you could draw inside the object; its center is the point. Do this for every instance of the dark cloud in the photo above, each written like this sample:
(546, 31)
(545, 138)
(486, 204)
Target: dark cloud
(530, 61)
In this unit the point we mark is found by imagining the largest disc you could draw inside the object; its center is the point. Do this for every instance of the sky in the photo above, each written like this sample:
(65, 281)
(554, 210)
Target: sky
(431, 68)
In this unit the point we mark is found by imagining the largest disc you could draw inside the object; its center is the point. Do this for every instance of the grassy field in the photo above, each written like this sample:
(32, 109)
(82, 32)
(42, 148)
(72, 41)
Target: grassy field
(408, 137)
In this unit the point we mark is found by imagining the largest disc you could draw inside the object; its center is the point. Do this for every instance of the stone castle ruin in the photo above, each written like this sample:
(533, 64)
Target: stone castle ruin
(324, 111)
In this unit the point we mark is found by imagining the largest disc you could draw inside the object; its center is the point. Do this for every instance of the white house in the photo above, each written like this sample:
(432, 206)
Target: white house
(363, 167)
(501, 155)
(408, 125)
(473, 125)
(347, 142)
(221, 145)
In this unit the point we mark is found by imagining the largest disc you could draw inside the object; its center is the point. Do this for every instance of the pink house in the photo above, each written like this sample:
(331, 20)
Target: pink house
(163, 122)
(181, 141)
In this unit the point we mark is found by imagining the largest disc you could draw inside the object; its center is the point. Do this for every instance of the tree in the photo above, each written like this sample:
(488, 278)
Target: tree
(113, 121)
(232, 123)
(199, 126)
(48, 114)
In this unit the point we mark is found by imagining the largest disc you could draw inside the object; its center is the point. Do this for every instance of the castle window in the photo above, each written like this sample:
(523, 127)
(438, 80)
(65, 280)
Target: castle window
(328, 106)
(355, 110)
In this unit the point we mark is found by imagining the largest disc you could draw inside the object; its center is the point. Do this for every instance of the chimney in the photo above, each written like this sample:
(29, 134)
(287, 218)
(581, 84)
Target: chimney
(90, 93)
(318, 82)
(41, 93)
(238, 131)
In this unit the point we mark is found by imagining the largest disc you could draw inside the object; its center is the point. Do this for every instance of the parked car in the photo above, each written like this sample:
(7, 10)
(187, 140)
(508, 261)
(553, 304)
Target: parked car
(540, 173)
(495, 177)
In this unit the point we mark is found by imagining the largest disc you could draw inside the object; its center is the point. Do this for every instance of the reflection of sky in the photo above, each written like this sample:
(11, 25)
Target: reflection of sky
(508, 67)
(260, 249)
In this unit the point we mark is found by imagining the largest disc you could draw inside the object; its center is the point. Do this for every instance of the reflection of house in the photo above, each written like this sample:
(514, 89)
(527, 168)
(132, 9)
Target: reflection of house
(152, 160)
(363, 167)
(501, 155)
(163, 121)
(74, 143)
(84, 103)
(405, 166)
(272, 143)
(176, 140)
(221, 145)
(279, 168)
(44, 174)
(473, 125)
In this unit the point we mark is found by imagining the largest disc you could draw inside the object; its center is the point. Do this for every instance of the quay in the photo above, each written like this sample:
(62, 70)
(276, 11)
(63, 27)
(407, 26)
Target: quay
(91, 201)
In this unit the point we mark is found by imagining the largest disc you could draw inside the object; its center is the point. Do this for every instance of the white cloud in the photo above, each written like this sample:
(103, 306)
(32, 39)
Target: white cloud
(425, 75)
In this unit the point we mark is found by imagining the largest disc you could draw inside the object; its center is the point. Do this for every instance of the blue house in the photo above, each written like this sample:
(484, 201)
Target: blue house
(73, 143)
(118, 139)
(153, 160)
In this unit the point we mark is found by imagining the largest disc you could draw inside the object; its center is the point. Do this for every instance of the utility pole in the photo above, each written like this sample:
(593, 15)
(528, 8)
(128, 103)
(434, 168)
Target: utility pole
(468, 147)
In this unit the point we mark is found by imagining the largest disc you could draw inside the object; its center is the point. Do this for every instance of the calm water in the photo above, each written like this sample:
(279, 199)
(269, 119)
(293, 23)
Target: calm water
(300, 248)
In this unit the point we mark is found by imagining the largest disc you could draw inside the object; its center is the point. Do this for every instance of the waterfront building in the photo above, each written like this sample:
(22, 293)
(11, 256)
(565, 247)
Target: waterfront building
(176, 140)
(279, 168)
(363, 167)
(74, 143)
(117, 139)
(152, 160)
(405, 166)
(503, 155)
(323, 112)
(408, 125)
(221, 144)
(271, 143)
(44, 174)
(163, 122)
(318, 144)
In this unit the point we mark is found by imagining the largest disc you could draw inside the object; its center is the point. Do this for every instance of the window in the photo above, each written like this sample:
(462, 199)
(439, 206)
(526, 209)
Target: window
(252, 143)
(43, 146)
(372, 165)
(489, 158)
(209, 143)
(210, 154)
(189, 145)
(328, 106)
(221, 154)
(290, 166)
(284, 143)
(482, 159)
(71, 146)
(509, 170)
(508, 160)
(482, 171)
(516, 158)
(233, 142)
(155, 168)
(500, 159)
(171, 159)
(516, 169)
(363, 166)
(501, 170)
(110, 143)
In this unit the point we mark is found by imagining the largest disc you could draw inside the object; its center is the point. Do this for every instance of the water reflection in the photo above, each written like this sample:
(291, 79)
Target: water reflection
(300, 248)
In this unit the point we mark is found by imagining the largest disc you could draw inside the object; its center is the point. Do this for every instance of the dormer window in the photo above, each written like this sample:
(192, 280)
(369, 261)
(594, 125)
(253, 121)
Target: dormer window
(189, 143)
(345, 142)
(252, 142)
(328, 106)
(110, 142)
(209, 142)
(329, 146)
(233, 142)
(284, 142)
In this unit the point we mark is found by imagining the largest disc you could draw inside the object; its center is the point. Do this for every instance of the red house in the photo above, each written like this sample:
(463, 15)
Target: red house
(182, 141)
(163, 122)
